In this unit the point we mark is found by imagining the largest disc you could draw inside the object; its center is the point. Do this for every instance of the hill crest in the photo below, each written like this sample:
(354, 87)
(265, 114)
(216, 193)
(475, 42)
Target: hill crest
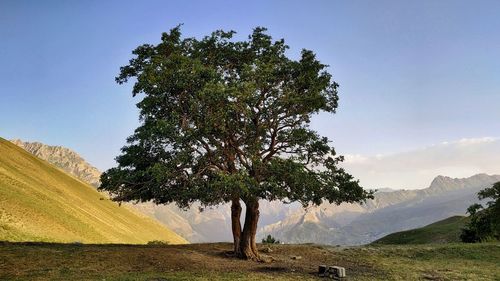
(443, 231)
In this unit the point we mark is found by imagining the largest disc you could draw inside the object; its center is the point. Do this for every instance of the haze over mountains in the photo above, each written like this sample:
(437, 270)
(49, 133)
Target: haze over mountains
(350, 224)
(415, 169)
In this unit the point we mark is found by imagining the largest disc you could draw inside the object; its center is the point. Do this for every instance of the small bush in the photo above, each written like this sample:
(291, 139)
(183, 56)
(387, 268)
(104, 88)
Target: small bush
(157, 242)
(270, 240)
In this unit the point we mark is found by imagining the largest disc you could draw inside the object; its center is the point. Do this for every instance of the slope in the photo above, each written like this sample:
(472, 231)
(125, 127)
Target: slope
(39, 202)
(444, 231)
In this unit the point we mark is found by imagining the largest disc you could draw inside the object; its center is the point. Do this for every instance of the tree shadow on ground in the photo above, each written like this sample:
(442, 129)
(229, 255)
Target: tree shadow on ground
(270, 269)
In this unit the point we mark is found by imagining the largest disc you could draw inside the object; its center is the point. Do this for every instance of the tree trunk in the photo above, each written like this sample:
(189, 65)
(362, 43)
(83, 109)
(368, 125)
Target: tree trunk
(236, 224)
(248, 246)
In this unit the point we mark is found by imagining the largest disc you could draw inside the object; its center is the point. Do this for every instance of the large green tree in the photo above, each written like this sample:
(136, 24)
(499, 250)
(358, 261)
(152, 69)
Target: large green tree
(228, 121)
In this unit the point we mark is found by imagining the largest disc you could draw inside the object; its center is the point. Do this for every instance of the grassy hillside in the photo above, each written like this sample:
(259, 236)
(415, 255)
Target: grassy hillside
(39, 202)
(444, 231)
(209, 262)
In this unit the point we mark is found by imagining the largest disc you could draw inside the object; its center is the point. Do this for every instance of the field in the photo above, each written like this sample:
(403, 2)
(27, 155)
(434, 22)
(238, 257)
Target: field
(444, 231)
(39, 202)
(38, 261)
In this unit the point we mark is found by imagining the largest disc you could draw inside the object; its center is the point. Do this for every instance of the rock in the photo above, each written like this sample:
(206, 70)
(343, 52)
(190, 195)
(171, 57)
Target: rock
(267, 259)
(322, 271)
(296, 257)
(267, 250)
(336, 271)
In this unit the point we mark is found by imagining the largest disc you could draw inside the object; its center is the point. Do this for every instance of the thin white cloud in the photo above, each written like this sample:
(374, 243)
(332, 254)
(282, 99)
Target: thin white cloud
(417, 168)
(473, 141)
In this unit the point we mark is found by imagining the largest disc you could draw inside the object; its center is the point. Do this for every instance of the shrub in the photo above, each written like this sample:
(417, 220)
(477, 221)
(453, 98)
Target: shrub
(484, 222)
(270, 240)
(157, 242)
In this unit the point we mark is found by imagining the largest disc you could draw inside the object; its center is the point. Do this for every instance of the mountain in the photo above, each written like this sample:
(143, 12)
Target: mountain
(348, 224)
(444, 231)
(39, 202)
(64, 158)
(388, 212)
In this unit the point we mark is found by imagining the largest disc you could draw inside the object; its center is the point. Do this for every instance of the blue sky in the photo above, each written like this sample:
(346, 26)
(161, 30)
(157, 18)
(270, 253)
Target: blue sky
(412, 73)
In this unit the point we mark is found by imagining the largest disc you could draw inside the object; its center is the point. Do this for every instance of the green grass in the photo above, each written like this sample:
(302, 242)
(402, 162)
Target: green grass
(39, 202)
(20, 261)
(444, 231)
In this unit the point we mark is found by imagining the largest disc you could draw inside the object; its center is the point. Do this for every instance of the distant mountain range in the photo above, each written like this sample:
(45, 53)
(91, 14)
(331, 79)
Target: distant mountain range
(390, 211)
(40, 202)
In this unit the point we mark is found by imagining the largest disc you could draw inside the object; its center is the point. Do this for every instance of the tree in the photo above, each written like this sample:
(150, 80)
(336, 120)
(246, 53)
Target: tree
(484, 222)
(270, 240)
(228, 121)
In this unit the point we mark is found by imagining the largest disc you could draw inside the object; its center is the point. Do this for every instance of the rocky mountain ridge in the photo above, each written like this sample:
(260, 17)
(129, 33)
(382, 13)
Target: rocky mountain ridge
(388, 212)
(63, 158)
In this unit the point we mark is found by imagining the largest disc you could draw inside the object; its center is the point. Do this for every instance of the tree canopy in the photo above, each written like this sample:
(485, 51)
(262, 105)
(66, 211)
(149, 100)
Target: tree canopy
(224, 120)
(484, 222)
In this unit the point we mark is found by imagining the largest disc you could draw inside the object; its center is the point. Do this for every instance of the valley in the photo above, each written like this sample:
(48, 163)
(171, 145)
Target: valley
(346, 224)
